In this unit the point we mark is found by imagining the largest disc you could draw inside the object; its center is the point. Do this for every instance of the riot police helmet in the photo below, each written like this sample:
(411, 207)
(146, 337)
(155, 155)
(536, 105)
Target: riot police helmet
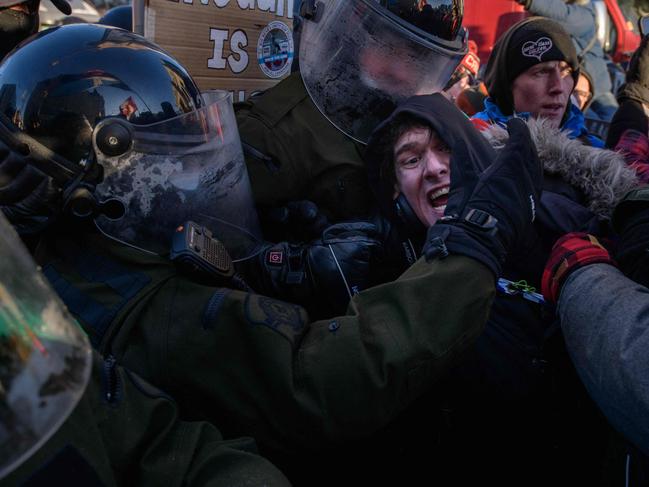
(125, 133)
(360, 58)
(120, 16)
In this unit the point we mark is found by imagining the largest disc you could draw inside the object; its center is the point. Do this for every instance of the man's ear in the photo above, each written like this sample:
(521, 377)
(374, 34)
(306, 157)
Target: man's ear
(395, 195)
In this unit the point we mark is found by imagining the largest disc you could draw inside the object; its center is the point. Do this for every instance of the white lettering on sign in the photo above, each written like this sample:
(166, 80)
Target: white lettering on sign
(238, 60)
(266, 5)
(276, 6)
(217, 61)
(238, 43)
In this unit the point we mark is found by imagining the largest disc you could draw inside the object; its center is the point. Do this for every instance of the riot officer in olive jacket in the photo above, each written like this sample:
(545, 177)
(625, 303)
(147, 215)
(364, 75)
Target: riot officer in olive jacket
(103, 170)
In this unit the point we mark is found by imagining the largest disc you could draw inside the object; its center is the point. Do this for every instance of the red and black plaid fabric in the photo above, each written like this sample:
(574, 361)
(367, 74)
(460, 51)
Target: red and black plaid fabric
(570, 252)
(634, 146)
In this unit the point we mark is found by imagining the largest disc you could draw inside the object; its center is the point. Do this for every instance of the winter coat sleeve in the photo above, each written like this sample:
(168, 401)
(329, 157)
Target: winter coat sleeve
(605, 321)
(260, 367)
(263, 367)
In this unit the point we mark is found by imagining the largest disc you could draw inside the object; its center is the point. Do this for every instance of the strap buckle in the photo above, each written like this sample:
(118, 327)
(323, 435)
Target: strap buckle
(521, 288)
(481, 219)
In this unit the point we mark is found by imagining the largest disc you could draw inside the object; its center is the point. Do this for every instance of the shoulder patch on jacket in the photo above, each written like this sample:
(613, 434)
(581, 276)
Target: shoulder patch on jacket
(286, 319)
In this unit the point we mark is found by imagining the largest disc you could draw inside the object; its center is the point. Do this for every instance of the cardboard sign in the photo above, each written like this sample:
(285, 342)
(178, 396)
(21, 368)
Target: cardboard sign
(237, 45)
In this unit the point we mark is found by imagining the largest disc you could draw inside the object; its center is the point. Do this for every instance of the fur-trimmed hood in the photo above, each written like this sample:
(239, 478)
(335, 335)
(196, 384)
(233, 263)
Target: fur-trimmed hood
(602, 175)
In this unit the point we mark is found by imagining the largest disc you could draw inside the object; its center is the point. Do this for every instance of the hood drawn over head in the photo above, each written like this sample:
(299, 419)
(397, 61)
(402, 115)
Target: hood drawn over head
(436, 111)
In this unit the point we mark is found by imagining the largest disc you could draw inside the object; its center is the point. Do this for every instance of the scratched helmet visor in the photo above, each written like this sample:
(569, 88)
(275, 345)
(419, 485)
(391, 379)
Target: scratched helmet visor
(190, 167)
(358, 60)
(45, 358)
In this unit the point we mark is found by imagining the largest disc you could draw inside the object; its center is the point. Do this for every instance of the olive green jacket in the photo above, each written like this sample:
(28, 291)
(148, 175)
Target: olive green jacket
(136, 438)
(294, 153)
(259, 367)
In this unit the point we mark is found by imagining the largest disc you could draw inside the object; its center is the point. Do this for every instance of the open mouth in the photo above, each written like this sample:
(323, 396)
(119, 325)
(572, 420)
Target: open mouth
(553, 107)
(439, 198)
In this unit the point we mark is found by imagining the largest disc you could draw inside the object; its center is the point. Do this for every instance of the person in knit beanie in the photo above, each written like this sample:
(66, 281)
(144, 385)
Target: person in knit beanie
(534, 43)
(532, 72)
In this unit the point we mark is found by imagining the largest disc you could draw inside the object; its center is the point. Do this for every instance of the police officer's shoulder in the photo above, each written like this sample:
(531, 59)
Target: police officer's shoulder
(273, 104)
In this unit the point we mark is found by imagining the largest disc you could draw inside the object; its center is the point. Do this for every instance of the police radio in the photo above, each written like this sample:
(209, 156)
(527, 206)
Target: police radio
(197, 253)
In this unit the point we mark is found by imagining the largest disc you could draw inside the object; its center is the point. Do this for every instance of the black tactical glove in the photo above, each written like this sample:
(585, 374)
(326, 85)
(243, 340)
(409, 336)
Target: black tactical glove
(296, 221)
(28, 198)
(322, 275)
(489, 214)
(631, 222)
(637, 76)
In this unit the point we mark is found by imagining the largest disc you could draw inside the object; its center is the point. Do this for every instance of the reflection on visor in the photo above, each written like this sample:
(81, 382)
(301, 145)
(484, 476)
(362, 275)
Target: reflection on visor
(179, 169)
(193, 132)
(357, 64)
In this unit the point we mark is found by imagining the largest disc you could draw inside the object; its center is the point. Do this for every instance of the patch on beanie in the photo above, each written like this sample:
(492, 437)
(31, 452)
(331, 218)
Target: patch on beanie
(537, 48)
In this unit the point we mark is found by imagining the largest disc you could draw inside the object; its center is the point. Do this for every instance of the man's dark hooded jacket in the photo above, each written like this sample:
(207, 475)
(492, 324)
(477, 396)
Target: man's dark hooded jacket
(514, 405)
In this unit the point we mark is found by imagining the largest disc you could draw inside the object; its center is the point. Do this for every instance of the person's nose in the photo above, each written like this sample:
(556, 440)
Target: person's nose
(435, 167)
(556, 84)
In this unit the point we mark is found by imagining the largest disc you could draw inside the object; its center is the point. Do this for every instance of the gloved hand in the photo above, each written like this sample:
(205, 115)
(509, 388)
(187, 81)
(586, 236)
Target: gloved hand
(631, 222)
(569, 253)
(489, 214)
(322, 275)
(637, 76)
(28, 198)
(296, 221)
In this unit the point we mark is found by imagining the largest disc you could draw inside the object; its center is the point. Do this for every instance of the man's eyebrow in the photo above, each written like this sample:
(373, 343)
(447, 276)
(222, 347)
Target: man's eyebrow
(406, 147)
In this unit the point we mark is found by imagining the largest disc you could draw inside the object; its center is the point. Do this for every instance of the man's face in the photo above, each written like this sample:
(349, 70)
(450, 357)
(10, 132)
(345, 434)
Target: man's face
(582, 92)
(421, 166)
(543, 90)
